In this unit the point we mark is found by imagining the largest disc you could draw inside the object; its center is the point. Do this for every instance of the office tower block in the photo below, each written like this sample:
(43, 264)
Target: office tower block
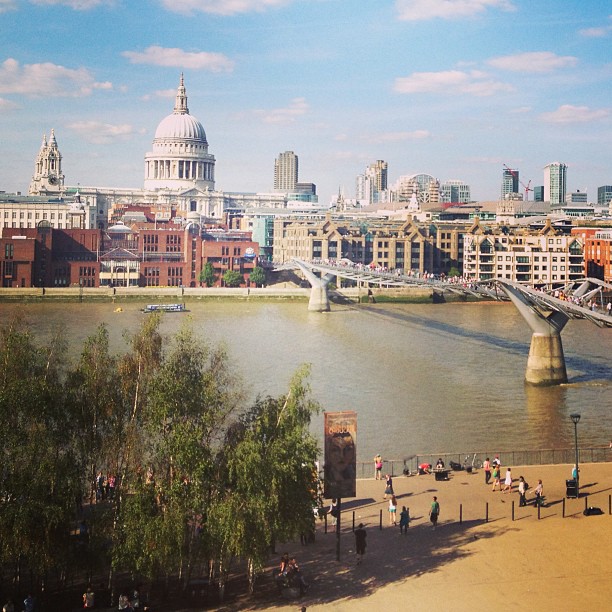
(555, 182)
(286, 171)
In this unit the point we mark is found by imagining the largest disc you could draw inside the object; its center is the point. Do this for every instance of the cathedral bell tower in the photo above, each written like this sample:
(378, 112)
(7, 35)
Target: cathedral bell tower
(48, 178)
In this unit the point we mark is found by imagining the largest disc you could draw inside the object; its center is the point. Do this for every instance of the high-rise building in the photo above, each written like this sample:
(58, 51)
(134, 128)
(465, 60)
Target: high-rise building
(371, 186)
(378, 172)
(455, 192)
(604, 195)
(510, 183)
(555, 182)
(286, 172)
(538, 193)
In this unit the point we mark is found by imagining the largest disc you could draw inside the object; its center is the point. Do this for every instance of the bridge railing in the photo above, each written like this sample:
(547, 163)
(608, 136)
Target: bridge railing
(508, 458)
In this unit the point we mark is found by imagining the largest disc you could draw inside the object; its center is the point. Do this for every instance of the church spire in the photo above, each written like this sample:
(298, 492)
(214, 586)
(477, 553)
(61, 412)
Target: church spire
(180, 106)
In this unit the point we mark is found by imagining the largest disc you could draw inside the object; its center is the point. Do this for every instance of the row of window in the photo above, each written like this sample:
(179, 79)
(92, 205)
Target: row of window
(38, 214)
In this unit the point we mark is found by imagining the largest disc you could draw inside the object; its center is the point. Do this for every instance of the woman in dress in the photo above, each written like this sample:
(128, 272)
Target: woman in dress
(388, 486)
(508, 482)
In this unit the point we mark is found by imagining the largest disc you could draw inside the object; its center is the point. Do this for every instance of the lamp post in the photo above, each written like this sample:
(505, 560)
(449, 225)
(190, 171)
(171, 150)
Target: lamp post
(575, 419)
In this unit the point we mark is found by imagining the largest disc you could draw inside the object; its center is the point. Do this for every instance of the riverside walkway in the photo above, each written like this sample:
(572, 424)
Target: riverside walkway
(549, 562)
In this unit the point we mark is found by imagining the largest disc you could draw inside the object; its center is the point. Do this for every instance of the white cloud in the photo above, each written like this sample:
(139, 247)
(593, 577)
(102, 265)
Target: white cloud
(536, 61)
(46, 80)
(177, 58)
(594, 32)
(77, 5)
(568, 113)
(420, 10)
(474, 82)
(298, 107)
(221, 7)
(7, 5)
(98, 132)
(7, 105)
(400, 136)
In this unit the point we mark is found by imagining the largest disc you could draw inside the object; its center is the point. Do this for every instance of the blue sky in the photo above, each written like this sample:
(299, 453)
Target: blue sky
(452, 88)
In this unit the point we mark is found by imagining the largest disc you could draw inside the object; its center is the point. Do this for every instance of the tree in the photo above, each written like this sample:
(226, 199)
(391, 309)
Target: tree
(231, 278)
(189, 401)
(258, 276)
(270, 492)
(40, 476)
(207, 275)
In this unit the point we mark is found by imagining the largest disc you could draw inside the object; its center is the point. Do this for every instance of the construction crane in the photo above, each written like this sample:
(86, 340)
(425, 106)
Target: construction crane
(526, 187)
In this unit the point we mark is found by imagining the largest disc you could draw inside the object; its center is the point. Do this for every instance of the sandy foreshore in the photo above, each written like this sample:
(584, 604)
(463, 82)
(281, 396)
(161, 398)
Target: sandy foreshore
(551, 563)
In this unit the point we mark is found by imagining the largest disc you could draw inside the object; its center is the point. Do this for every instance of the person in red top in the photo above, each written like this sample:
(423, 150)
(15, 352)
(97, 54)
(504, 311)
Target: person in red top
(486, 466)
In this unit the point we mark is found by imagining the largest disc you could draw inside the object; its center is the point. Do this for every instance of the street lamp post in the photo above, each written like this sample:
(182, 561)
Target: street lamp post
(575, 419)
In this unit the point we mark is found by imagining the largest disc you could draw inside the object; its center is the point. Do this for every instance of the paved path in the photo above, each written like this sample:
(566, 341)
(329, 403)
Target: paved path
(553, 563)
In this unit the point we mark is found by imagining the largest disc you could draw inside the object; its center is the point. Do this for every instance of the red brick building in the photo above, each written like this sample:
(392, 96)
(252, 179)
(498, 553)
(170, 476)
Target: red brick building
(597, 251)
(143, 254)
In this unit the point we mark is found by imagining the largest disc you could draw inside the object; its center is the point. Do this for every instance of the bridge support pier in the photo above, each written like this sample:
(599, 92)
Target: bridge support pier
(546, 362)
(319, 297)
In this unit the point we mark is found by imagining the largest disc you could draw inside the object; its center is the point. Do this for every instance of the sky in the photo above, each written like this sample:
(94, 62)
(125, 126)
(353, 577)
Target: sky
(451, 88)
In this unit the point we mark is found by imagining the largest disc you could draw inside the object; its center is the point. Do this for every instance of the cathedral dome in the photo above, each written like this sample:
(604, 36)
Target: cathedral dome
(180, 159)
(180, 126)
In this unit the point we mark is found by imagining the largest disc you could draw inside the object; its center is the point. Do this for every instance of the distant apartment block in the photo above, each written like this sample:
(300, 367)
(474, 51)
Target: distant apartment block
(597, 251)
(510, 183)
(541, 258)
(286, 172)
(555, 182)
(604, 195)
(455, 192)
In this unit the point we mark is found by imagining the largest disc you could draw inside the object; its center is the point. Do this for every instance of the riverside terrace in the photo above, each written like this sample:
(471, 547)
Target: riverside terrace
(552, 560)
(546, 456)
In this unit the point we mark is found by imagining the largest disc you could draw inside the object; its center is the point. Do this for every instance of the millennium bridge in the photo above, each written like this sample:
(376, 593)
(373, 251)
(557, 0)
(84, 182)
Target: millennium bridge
(546, 312)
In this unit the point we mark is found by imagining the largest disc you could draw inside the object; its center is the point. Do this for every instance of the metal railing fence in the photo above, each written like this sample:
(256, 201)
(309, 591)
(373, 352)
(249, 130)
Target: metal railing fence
(511, 458)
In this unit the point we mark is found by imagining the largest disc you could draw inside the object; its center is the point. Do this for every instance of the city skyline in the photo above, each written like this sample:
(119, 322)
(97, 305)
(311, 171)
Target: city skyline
(421, 84)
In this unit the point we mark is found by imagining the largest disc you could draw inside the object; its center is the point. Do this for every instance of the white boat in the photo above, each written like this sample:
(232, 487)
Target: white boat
(164, 308)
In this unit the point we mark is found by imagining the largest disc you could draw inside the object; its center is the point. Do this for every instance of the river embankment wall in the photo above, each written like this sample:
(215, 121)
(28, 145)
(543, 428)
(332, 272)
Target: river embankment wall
(184, 294)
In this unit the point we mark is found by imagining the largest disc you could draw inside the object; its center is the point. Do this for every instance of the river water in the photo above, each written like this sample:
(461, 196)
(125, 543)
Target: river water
(422, 378)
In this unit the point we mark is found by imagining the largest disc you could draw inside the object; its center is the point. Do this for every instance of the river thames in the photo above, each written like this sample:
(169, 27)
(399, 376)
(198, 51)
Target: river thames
(422, 378)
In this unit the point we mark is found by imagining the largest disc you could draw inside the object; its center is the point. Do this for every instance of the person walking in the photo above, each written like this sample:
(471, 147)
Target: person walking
(539, 494)
(522, 489)
(434, 512)
(486, 466)
(389, 486)
(392, 510)
(378, 464)
(333, 510)
(360, 542)
(89, 598)
(404, 520)
(508, 481)
(496, 482)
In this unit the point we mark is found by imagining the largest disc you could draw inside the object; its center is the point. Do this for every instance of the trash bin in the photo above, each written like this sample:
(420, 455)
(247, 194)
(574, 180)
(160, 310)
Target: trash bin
(571, 488)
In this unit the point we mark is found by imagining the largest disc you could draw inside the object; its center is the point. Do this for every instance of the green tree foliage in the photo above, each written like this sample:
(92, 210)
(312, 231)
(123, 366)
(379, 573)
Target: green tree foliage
(207, 275)
(200, 477)
(190, 401)
(270, 491)
(231, 278)
(258, 276)
(40, 475)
